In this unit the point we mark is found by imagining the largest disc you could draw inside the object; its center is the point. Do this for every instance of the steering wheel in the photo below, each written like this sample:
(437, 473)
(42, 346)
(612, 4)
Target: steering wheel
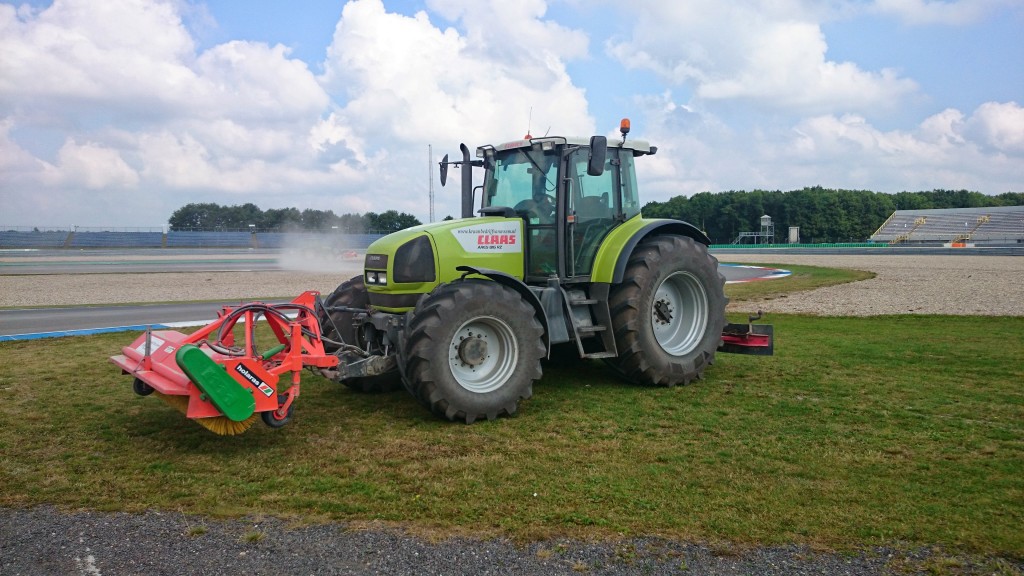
(546, 215)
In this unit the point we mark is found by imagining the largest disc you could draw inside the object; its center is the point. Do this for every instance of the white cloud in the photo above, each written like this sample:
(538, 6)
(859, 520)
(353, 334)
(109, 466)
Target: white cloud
(16, 164)
(697, 152)
(951, 150)
(403, 77)
(78, 52)
(111, 115)
(947, 140)
(404, 82)
(92, 166)
(770, 54)
(950, 12)
(256, 83)
(522, 26)
(149, 120)
(944, 128)
(999, 125)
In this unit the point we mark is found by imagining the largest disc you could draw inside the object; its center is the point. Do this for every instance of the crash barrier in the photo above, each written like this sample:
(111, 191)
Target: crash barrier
(309, 240)
(80, 239)
(33, 238)
(18, 239)
(176, 239)
(745, 247)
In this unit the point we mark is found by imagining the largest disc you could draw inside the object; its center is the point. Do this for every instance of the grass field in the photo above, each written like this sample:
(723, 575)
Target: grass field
(859, 431)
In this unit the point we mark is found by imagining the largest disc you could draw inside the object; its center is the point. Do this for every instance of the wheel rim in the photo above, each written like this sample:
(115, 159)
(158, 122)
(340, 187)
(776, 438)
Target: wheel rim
(483, 354)
(680, 313)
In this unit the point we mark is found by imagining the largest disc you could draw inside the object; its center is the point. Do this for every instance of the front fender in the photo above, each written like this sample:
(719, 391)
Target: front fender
(524, 290)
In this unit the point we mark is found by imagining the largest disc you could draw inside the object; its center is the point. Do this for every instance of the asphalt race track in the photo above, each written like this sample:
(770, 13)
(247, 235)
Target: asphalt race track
(33, 323)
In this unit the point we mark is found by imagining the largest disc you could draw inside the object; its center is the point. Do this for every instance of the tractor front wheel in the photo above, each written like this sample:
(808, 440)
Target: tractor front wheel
(668, 313)
(472, 349)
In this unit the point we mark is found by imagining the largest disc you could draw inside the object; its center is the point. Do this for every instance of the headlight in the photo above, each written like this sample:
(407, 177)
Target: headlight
(376, 278)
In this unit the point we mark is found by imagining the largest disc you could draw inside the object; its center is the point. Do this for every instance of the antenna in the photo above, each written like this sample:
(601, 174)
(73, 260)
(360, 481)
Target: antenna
(430, 178)
(528, 125)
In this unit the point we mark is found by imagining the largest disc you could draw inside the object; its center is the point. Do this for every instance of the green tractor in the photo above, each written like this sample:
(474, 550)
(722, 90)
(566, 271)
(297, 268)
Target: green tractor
(462, 312)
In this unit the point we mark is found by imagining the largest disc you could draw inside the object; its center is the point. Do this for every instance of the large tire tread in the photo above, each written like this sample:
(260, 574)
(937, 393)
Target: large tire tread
(428, 332)
(641, 360)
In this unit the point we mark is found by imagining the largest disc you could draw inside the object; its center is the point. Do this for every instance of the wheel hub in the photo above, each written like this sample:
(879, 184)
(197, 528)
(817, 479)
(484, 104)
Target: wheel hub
(679, 313)
(483, 354)
(473, 350)
(662, 312)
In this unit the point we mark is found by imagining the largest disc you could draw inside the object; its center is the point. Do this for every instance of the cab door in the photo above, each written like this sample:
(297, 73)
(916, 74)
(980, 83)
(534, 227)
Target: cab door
(593, 209)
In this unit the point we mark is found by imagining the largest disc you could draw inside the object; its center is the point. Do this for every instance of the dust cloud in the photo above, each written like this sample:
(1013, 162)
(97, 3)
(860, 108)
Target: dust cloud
(320, 253)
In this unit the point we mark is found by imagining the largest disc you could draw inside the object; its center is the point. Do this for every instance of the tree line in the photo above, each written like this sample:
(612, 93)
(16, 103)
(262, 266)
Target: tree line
(823, 215)
(214, 217)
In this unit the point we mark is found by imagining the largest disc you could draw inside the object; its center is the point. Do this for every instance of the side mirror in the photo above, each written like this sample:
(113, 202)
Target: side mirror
(444, 170)
(598, 155)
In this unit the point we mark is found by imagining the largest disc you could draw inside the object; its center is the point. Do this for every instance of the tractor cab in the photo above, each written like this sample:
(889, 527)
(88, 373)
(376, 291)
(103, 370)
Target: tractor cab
(569, 192)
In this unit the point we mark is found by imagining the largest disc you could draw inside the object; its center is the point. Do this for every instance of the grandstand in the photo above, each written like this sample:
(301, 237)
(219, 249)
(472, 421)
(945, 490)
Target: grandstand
(955, 226)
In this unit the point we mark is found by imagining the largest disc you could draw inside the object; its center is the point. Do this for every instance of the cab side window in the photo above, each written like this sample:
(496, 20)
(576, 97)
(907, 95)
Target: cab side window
(630, 198)
(593, 197)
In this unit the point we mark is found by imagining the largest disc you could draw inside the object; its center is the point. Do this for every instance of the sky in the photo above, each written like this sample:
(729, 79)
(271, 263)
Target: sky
(117, 113)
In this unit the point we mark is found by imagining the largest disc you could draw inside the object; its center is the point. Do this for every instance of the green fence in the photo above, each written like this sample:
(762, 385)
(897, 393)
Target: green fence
(787, 246)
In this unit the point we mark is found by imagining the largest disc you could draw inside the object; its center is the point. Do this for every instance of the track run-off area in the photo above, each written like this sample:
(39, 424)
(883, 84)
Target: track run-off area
(47, 293)
(54, 320)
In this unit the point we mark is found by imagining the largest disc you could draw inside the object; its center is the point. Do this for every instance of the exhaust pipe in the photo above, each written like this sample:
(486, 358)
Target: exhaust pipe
(467, 182)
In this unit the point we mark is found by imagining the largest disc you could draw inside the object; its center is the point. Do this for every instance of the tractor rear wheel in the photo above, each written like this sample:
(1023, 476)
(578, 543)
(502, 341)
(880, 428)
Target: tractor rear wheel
(472, 349)
(668, 313)
(338, 325)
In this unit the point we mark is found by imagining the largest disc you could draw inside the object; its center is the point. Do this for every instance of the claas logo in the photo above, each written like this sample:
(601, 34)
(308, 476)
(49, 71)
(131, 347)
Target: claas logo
(496, 239)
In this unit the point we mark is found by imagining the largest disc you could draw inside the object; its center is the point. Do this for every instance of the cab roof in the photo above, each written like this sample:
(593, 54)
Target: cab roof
(639, 147)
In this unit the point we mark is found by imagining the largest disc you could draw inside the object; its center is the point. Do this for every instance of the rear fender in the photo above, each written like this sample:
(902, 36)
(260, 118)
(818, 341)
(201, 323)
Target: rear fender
(611, 259)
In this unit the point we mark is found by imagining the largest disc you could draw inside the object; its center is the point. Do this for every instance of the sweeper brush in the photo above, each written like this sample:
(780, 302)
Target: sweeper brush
(218, 376)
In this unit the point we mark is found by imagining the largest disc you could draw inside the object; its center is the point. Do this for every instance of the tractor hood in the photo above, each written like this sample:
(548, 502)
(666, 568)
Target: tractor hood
(406, 264)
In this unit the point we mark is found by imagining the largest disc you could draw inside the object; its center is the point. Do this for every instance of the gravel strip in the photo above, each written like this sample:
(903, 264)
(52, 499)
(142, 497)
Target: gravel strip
(957, 285)
(84, 289)
(45, 541)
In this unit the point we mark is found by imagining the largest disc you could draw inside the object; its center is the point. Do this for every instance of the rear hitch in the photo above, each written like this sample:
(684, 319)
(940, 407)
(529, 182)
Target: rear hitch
(351, 366)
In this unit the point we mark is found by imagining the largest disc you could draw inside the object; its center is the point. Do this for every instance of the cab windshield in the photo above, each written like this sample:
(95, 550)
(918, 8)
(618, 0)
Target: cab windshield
(524, 180)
